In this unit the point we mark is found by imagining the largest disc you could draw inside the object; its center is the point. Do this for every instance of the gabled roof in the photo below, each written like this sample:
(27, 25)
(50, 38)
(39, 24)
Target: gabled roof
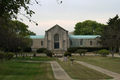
(83, 36)
(37, 36)
(56, 26)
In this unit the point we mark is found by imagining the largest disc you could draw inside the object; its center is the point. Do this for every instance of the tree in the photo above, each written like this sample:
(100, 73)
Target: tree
(110, 36)
(12, 36)
(88, 27)
(20, 28)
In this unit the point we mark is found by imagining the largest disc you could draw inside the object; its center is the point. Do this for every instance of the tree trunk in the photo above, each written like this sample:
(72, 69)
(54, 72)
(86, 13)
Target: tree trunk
(16, 54)
(112, 54)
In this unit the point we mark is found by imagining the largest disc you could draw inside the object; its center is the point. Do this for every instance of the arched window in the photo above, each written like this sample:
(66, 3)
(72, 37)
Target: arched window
(56, 37)
(56, 41)
(90, 42)
(81, 42)
(41, 43)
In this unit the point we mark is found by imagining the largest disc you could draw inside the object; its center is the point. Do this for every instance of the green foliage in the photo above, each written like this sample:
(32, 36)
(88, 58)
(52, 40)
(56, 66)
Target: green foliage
(48, 53)
(27, 49)
(67, 54)
(88, 27)
(110, 36)
(90, 49)
(72, 49)
(104, 52)
(82, 51)
(9, 8)
(6, 56)
(2, 56)
(10, 56)
(95, 52)
(40, 50)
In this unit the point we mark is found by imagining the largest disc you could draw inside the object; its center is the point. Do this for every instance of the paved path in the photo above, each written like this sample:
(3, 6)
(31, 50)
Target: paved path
(107, 72)
(58, 71)
(115, 55)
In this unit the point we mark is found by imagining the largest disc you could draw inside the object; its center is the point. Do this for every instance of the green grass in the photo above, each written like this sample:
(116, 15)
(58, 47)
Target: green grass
(78, 71)
(11, 70)
(37, 58)
(109, 63)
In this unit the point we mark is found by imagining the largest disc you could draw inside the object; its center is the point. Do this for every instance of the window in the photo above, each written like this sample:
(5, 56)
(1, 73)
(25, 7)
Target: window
(81, 42)
(90, 42)
(41, 43)
(56, 41)
(56, 37)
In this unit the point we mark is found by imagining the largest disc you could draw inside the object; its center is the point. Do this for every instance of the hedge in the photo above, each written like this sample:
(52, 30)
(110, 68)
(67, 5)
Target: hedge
(89, 49)
(81, 51)
(48, 53)
(6, 56)
(104, 52)
(40, 50)
(67, 54)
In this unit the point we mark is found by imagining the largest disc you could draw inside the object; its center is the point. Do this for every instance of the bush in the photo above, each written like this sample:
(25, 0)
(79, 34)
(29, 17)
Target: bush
(40, 50)
(96, 52)
(27, 49)
(67, 54)
(82, 51)
(89, 49)
(72, 49)
(2, 55)
(48, 53)
(10, 56)
(104, 52)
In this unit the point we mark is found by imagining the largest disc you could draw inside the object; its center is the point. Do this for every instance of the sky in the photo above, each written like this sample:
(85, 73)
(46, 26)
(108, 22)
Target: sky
(69, 12)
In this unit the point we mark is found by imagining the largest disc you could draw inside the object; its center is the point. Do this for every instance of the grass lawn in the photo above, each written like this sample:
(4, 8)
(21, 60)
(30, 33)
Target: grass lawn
(104, 62)
(12, 70)
(37, 58)
(78, 71)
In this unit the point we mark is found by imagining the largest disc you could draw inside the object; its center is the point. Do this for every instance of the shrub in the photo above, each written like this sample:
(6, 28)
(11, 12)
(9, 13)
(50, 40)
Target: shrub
(27, 49)
(90, 49)
(104, 52)
(82, 51)
(67, 54)
(10, 56)
(2, 56)
(48, 53)
(40, 50)
(72, 49)
(96, 52)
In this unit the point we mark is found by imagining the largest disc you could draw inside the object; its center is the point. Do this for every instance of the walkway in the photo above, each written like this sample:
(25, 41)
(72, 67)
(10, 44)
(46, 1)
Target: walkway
(104, 71)
(58, 71)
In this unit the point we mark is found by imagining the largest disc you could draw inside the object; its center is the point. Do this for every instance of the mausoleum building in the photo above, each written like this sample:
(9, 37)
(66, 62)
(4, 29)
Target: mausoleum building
(57, 39)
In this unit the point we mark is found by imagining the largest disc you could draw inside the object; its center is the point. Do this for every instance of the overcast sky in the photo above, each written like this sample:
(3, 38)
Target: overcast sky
(70, 12)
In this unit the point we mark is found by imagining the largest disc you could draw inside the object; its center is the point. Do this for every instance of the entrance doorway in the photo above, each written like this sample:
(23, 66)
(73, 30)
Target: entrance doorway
(56, 41)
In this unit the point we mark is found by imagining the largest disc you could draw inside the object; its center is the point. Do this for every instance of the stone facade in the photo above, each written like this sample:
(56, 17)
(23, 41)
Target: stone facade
(57, 39)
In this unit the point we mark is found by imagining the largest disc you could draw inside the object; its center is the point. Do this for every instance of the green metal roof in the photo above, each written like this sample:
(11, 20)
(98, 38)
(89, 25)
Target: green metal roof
(70, 36)
(37, 36)
(83, 36)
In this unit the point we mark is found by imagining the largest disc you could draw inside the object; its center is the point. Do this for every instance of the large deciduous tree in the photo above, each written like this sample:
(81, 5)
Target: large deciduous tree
(88, 27)
(110, 36)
